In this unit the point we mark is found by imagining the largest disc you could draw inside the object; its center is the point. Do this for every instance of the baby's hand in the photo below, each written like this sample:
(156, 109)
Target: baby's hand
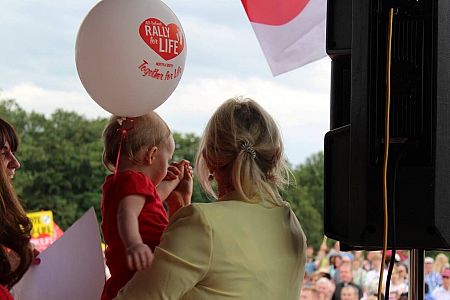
(185, 187)
(139, 256)
(173, 172)
(182, 194)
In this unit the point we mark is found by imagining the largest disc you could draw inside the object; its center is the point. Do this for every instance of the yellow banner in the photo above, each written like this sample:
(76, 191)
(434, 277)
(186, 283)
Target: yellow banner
(42, 223)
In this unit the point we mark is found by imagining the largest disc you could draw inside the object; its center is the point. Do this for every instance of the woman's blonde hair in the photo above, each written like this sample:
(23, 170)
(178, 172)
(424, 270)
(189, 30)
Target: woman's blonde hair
(243, 136)
(144, 131)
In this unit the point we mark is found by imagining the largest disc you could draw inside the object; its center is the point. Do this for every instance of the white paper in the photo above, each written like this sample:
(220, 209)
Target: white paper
(72, 268)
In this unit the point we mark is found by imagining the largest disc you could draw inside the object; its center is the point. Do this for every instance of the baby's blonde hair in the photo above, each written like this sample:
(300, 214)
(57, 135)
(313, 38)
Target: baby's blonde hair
(144, 131)
(243, 134)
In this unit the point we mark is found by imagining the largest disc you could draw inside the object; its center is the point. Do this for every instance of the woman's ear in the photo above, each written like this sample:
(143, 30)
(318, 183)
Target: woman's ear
(151, 154)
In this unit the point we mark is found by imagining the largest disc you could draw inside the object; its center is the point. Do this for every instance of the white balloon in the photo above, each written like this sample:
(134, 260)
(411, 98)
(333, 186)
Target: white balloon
(130, 55)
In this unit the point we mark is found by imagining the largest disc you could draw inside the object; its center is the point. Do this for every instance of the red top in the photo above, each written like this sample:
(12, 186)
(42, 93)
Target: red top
(4, 294)
(152, 222)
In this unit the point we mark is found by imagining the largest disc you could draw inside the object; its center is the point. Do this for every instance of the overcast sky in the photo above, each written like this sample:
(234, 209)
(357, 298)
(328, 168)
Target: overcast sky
(37, 68)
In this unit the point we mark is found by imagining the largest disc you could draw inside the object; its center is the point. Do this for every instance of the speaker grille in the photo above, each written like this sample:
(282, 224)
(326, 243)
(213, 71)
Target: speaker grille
(411, 83)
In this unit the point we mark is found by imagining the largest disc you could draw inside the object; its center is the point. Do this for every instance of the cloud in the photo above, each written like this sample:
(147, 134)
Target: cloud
(290, 106)
(303, 116)
(32, 97)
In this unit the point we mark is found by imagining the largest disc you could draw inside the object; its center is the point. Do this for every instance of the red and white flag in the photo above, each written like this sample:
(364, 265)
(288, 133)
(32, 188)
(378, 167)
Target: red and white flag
(291, 32)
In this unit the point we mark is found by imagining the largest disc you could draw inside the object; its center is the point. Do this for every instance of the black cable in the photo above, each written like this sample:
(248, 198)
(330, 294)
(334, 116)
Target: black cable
(393, 212)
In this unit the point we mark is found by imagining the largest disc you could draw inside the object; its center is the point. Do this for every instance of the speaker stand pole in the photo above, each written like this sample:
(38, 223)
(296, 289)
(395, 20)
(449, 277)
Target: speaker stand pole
(416, 274)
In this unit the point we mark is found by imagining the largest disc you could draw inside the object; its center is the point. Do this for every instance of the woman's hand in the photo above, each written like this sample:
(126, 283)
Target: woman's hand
(139, 256)
(182, 194)
(185, 187)
(36, 259)
(14, 258)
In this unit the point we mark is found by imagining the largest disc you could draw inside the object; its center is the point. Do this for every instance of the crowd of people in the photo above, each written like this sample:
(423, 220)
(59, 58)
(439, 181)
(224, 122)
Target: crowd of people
(331, 274)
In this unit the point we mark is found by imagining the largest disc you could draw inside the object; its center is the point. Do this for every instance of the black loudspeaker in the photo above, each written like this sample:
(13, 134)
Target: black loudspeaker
(419, 155)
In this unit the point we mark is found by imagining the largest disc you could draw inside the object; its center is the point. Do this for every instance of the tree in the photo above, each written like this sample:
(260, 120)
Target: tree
(309, 177)
(186, 146)
(61, 162)
(306, 197)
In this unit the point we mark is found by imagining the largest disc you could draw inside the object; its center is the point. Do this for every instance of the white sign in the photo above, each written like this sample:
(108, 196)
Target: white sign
(72, 268)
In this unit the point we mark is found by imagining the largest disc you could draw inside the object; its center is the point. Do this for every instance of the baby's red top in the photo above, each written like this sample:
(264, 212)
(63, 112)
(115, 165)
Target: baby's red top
(152, 222)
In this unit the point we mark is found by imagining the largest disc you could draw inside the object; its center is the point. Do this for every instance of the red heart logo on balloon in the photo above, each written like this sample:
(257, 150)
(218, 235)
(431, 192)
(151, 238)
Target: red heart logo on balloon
(166, 40)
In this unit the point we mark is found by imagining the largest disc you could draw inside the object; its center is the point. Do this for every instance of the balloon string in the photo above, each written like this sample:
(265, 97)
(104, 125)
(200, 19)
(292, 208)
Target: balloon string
(123, 136)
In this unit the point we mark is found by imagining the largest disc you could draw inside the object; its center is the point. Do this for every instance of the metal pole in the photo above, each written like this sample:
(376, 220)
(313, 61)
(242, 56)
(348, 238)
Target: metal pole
(416, 274)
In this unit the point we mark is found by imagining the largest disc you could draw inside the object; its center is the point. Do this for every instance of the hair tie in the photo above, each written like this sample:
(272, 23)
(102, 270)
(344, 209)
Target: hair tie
(247, 147)
(120, 120)
(123, 135)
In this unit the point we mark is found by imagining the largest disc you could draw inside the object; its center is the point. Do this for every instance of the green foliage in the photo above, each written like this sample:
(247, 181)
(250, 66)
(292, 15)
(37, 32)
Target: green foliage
(186, 146)
(61, 162)
(306, 197)
(62, 168)
(309, 177)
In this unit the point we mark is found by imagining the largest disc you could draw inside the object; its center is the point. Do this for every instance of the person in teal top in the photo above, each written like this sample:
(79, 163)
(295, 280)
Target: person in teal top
(246, 245)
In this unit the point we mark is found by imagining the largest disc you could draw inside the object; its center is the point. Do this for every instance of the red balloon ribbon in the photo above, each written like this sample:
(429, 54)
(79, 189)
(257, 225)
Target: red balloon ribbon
(123, 135)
